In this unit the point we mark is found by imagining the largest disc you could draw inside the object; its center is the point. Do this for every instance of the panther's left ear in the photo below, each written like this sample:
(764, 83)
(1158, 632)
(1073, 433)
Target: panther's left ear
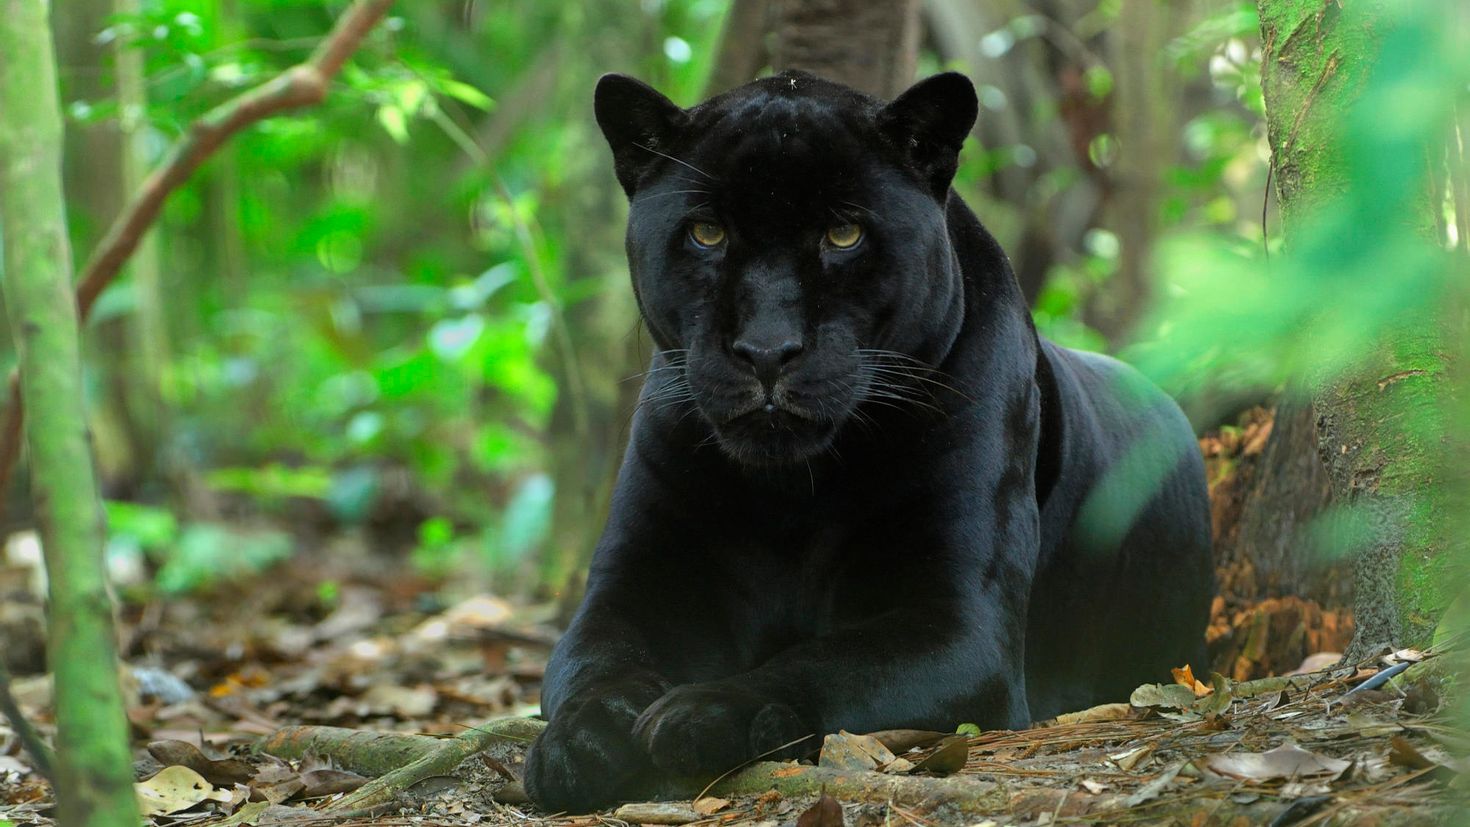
(929, 122)
(638, 122)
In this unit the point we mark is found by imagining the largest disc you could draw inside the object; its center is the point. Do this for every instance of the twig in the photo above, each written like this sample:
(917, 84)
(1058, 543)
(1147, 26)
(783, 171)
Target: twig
(30, 739)
(300, 86)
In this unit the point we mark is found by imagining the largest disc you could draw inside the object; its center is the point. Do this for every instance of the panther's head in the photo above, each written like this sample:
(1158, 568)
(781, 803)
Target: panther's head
(789, 250)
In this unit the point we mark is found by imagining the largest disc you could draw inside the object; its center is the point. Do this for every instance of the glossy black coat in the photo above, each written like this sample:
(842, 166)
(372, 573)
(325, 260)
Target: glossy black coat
(931, 517)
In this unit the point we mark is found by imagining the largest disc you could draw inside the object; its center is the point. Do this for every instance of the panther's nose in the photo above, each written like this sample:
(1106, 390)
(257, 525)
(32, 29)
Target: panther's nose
(767, 360)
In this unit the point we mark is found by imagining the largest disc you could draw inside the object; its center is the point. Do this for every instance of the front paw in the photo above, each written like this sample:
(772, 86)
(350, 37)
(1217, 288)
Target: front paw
(586, 758)
(703, 729)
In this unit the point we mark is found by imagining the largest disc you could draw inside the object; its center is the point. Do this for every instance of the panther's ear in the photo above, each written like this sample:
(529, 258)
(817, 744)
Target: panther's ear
(929, 122)
(638, 122)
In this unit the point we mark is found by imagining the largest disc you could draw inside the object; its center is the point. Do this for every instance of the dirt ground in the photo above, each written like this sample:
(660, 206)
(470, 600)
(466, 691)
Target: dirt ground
(345, 637)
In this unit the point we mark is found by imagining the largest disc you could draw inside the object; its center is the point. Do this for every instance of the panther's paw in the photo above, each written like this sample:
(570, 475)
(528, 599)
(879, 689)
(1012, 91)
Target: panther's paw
(705, 729)
(586, 758)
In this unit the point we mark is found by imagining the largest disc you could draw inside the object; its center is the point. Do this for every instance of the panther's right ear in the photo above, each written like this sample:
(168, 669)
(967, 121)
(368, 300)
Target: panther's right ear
(638, 122)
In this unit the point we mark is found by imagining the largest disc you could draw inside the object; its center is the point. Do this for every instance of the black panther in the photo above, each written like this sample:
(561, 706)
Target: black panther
(860, 491)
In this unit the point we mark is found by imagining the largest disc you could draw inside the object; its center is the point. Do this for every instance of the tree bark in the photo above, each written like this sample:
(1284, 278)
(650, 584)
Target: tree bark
(148, 358)
(93, 770)
(1269, 552)
(872, 47)
(743, 51)
(1146, 104)
(1316, 57)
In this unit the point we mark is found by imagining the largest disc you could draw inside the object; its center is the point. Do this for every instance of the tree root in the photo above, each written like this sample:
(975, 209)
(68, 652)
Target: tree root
(400, 760)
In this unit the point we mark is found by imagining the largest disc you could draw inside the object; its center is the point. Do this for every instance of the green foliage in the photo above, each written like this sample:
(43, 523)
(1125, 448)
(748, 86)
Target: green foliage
(370, 286)
(193, 556)
(1367, 281)
(207, 553)
(1355, 269)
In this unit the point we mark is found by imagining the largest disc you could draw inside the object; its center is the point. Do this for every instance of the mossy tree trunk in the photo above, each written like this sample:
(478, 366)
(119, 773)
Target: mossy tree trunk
(93, 772)
(1378, 423)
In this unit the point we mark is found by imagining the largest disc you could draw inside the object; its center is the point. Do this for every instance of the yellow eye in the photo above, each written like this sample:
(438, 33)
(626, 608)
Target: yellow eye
(844, 236)
(706, 234)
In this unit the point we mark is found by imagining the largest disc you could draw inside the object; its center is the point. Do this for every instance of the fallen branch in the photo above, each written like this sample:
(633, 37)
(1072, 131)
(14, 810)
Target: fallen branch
(430, 756)
(300, 86)
(958, 792)
(30, 740)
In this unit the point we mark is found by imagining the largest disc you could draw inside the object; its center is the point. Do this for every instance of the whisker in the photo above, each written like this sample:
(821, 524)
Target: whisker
(677, 161)
(658, 195)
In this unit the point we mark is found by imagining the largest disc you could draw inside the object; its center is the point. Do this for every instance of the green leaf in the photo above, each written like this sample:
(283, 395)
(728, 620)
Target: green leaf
(466, 93)
(392, 120)
(971, 730)
(149, 527)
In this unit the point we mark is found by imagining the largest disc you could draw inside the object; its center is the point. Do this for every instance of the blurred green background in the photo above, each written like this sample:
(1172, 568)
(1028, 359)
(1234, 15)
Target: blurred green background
(403, 317)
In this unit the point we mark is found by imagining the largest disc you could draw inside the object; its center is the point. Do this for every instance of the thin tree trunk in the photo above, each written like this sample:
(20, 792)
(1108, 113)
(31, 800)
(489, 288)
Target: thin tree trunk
(93, 771)
(148, 358)
(872, 47)
(743, 52)
(1315, 58)
(1145, 110)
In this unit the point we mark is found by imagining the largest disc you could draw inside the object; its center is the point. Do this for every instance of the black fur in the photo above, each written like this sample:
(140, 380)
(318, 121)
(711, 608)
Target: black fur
(860, 492)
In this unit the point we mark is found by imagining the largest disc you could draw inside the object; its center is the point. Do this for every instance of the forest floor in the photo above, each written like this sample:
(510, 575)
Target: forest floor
(211, 676)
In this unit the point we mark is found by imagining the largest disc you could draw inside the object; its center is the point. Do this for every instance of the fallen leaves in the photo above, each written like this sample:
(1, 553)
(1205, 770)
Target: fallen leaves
(1286, 762)
(827, 812)
(951, 756)
(174, 789)
(221, 772)
(1168, 696)
(1185, 677)
(709, 805)
(1187, 699)
(1128, 759)
(846, 751)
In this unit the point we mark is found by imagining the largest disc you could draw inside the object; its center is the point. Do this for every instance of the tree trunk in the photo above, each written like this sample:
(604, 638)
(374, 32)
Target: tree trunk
(1146, 105)
(743, 52)
(869, 46)
(1315, 58)
(148, 358)
(93, 772)
(1269, 550)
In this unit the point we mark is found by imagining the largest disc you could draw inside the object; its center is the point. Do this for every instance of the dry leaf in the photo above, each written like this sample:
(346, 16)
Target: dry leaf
(846, 751)
(827, 812)
(322, 782)
(1171, 696)
(1185, 677)
(1128, 759)
(220, 772)
(174, 789)
(951, 756)
(1094, 715)
(903, 740)
(275, 783)
(249, 814)
(1287, 761)
(710, 805)
(1218, 699)
(1092, 786)
(1154, 787)
(897, 766)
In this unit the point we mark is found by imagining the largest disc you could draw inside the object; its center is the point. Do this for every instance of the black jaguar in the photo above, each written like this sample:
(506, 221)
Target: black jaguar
(860, 492)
